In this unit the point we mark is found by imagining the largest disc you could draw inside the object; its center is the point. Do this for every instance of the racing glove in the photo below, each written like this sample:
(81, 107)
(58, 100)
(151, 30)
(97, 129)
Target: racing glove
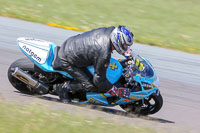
(121, 92)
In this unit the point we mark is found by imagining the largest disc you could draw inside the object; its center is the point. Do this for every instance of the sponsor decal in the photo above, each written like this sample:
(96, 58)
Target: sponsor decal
(102, 95)
(133, 97)
(33, 39)
(92, 100)
(31, 53)
(139, 65)
(113, 66)
(125, 100)
(120, 60)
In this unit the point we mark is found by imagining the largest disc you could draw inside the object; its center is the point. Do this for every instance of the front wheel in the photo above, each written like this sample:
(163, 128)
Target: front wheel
(148, 106)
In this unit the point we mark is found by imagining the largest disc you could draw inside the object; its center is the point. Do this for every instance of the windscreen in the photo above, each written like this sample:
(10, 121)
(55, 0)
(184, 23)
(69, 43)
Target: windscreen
(143, 66)
(147, 71)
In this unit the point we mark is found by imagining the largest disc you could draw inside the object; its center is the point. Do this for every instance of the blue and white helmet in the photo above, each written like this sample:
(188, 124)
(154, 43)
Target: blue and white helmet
(122, 38)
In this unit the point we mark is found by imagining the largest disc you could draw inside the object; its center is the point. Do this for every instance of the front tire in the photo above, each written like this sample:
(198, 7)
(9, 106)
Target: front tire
(151, 105)
(26, 65)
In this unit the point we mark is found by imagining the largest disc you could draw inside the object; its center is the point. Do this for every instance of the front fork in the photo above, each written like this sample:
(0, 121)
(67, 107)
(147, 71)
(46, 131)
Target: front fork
(157, 92)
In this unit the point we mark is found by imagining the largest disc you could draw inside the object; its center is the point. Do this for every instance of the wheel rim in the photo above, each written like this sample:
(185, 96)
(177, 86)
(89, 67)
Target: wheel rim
(149, 105)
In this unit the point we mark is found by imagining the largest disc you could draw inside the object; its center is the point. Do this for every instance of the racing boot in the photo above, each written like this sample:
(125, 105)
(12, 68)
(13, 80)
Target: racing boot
(63, 90)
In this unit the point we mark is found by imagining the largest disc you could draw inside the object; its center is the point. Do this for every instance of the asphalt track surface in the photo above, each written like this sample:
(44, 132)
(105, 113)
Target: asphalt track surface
(179, 75)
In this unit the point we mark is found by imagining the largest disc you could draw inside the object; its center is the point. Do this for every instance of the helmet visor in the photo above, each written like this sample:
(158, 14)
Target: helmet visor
(125, 47)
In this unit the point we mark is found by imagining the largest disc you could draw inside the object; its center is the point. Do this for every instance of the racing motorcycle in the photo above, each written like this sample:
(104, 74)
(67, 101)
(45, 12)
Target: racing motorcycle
(38, 73)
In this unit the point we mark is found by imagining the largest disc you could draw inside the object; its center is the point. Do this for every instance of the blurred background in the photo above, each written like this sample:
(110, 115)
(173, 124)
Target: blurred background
(171, 24)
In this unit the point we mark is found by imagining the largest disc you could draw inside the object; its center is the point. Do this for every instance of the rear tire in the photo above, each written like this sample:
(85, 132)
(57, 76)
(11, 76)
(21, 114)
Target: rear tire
(151, 105)
(26, 65)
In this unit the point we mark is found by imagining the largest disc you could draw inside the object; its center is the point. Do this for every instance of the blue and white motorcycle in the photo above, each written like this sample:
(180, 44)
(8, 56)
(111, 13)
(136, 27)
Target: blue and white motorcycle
(38, 73)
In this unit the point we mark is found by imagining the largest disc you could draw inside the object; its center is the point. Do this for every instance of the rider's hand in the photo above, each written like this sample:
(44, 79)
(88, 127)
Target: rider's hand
(121, 92)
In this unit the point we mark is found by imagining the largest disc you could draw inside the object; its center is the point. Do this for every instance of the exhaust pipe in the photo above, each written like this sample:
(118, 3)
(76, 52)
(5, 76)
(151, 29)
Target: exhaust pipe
(27, 79)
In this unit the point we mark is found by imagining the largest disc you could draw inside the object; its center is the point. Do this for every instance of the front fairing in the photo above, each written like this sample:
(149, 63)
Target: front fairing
(145, 75)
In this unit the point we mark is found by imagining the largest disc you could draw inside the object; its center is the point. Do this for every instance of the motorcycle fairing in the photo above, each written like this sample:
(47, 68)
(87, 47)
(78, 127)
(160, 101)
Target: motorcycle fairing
(97, 98)
(35, 49)
(46, 56)
(114, 71)
(101, 99)
(145, 93)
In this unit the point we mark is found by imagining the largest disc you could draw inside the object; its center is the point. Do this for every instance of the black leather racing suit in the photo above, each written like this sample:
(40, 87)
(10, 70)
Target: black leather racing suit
(86, 49)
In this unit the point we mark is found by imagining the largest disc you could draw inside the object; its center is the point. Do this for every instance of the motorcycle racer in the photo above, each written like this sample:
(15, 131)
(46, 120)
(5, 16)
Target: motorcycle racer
(93, 48)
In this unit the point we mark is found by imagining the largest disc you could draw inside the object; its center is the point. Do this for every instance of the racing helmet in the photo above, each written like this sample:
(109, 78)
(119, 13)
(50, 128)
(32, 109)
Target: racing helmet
(122, 38)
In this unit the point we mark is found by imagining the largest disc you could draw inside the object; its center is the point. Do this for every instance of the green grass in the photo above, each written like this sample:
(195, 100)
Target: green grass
(36, 118)
(167, 23)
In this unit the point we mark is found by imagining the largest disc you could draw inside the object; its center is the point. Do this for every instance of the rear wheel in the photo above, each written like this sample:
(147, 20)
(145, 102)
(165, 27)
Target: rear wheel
(148, 106)
(26, 65)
